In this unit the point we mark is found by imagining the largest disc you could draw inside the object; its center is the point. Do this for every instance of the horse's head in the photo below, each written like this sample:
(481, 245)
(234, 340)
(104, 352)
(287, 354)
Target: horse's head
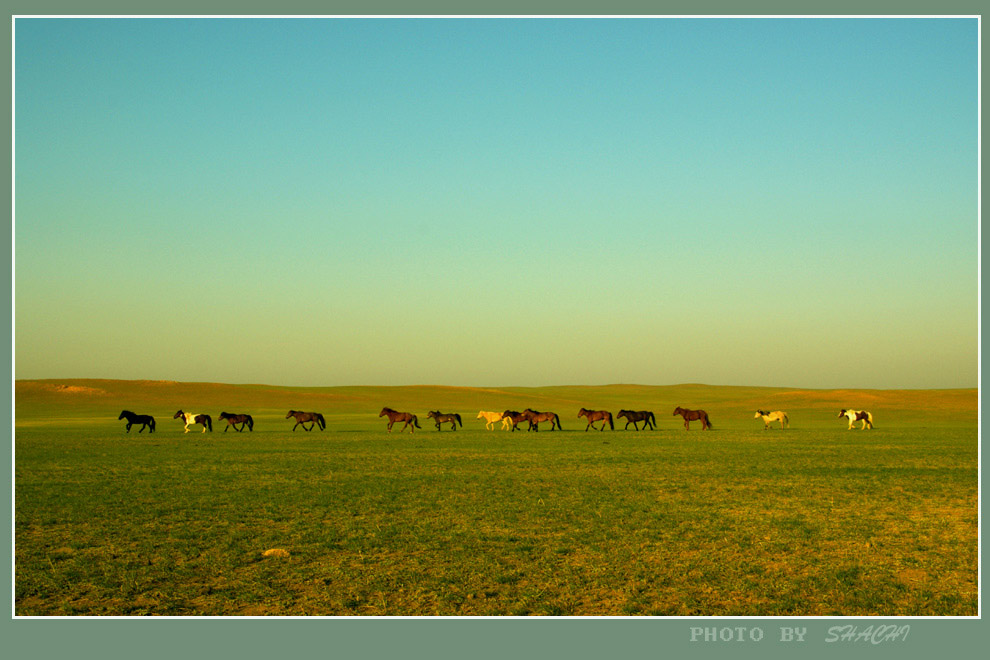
(291, 413)
(384, 411)
(678, 410)
(582, 412)
(123, 414)
(224, 415)
(177, 415)
(759, 413)
(842, 413)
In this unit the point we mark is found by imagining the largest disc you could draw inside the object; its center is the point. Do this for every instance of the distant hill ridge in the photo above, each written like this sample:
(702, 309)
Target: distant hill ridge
(95, 396)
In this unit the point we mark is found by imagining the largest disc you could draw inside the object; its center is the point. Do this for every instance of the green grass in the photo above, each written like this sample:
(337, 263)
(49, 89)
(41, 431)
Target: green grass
(815, 520)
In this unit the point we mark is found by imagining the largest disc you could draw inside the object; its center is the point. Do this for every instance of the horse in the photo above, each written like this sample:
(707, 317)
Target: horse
(234, 420)
(596, 415)
(393, 417)
(143, 420)
(512, 418)
(856, 416)
(536, 417)
(441, 418)
(775, 416)
(492, 417)
(303, 417)
(632, 417)
(690, 415)
(195, 418)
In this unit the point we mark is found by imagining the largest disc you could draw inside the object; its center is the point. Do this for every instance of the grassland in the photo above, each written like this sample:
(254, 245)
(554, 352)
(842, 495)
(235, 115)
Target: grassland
(814, 520)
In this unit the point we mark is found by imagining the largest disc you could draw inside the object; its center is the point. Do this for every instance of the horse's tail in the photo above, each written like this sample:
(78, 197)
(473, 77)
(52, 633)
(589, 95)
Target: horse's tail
(708, 421)
(556, 418)
(458, 418)
(869, 416)
(787, 422)
(151, 424)
(416, 422)
(610, 424)
(250, 422)
(653, 419)
(323, 422)
(209, 422)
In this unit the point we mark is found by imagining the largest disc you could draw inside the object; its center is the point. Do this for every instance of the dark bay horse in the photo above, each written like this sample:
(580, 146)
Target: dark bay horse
(193, 418)
(535, 418)
(514, 418)
(393, 417)
(143, 420)
(441, 418)
(303, 417)
(633, 416)
(596, 416)
(234, 420)
(690, 415)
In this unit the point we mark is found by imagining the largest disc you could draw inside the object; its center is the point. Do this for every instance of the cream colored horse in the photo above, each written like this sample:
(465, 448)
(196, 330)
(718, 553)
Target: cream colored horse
(775, 416)
(492, 417)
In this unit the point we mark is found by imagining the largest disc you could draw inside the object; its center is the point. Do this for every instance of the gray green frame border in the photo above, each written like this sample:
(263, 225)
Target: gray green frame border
(457, 637)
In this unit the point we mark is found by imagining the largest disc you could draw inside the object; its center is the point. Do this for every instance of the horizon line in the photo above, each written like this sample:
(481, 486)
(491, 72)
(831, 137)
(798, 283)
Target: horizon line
(425, 385)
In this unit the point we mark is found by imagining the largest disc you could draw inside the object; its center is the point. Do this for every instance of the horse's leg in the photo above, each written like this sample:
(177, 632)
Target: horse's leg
(294, 427)
(129, 427)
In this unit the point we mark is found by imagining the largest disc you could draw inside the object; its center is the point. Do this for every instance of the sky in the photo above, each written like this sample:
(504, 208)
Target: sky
(498, 202)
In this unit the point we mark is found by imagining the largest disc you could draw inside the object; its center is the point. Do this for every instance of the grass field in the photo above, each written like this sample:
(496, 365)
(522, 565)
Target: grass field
(814, 520)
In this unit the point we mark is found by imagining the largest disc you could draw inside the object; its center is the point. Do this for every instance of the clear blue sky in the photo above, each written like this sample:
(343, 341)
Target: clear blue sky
(787, 202)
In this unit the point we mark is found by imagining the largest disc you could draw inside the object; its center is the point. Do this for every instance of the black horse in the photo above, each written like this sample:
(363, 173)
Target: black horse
(441, 418)
(234, 420)
(597, 416)
(410, 419)
(690, 415)
(302, 417)
(514, 418)
(143, 420)
(633, 416)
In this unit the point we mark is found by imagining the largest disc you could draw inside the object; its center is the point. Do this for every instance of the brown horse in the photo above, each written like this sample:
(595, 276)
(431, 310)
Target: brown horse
(441, 418)
(645, 416)
(595, 416)
(536, 417)
(514, 418)
(234, 420)
(393, 417)
(302, 417)
(690, 415)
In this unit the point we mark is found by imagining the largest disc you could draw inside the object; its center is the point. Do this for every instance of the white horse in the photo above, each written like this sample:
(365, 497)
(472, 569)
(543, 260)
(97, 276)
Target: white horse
(194, 418)
(856, 416)
(492, 417)
(775, 416)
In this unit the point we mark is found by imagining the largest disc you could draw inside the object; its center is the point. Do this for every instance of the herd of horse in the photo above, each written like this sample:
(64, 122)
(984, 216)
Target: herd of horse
(510, 419)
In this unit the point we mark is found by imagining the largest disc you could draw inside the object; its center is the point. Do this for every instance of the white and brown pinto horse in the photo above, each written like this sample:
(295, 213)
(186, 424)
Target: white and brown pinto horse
(194, 418)
(857, 416)
(492, 417)
(775, 416)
